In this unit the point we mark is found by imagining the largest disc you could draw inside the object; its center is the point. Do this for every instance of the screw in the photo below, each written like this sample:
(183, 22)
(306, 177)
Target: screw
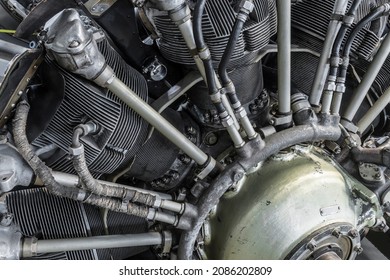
(353, 233)
(158, 183)
(311, 246)
(74, 44)
(20, 92)
(358, 249)
(190, 130)
(211, 139)
(336, 233)
(253, 108)
(184, 159)
(207, 117)
(271, 121)
(377, 176)
(166, 179)
(174, 174)
(238, 176)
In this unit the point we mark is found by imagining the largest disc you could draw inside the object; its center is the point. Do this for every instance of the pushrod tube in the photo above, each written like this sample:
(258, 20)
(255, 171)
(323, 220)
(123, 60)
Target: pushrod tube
(284, 56)
(374, 111)
(155, 119)
(31, 247)
(368, 80)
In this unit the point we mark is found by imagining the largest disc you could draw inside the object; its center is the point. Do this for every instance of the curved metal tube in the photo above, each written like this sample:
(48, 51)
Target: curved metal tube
(328, 130)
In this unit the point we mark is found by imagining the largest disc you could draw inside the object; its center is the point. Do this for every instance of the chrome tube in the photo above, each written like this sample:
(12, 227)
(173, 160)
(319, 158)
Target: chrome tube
(323, 65)
(284, 56)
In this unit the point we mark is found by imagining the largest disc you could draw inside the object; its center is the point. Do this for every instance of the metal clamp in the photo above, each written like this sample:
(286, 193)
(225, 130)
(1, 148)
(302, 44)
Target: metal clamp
(207, 169)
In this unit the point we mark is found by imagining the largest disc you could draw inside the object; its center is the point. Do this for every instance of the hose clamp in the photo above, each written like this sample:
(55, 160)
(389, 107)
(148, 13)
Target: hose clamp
(348, 20)
(210, 165)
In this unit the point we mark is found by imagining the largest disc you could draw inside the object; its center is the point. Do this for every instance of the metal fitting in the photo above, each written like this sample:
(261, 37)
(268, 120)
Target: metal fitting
(348, 20)
(340, 87)
(230, 88)
(180, 15)
(227, 121)
(204, 54)
(247, 6)
(240, 113)
(330, 86)
(216, 97)
(76, 151)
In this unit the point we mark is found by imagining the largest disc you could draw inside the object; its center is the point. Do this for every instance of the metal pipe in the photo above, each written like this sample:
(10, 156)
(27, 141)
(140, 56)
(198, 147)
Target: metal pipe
(323, 65)
(284, 56)
(32, 247)
(368, 80)
(374, 111)
(151, 116)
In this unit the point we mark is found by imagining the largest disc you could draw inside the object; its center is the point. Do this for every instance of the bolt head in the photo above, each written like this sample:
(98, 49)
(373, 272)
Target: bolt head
(311, 246)
(238, 176)
(336, 233)
(74, 44)
(353, 233)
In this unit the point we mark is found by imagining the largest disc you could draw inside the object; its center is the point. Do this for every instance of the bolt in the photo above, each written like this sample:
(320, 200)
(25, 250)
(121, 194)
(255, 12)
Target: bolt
(6, 220)
(158, 183)
(190, 130)
(311, 246)
(358, 249)
(377, 176)
(253, 108)
(166, 179)
(207, 117)
(271, 121)
(184, 159)
(174, 174)
(353, 233)
(237, 176)
(211, 139)
(74, 44)
(336, 233)
(20, 92)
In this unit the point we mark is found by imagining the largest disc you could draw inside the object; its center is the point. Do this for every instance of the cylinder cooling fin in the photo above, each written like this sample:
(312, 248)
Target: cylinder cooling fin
(218, 21)
(121, 131)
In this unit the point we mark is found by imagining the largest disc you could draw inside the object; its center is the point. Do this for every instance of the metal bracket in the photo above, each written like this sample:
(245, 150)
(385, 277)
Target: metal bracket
(280, 120)
(19, 90)
(98, 7)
